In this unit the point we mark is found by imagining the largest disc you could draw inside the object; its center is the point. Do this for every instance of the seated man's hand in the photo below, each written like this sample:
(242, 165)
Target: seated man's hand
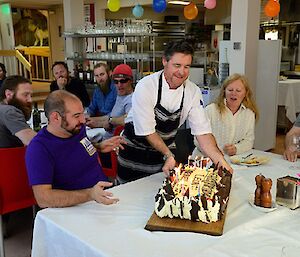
(290, 154)
(112, 144)
(100, 195)
(94, 122)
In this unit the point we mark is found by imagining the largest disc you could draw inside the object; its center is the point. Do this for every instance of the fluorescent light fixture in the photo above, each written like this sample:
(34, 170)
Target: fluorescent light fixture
(178, 2)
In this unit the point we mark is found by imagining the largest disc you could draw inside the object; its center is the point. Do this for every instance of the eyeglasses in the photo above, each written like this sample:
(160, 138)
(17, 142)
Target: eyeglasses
(122, 81)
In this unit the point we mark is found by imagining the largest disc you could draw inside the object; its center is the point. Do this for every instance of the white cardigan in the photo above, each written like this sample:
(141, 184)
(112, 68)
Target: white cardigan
(229, 128)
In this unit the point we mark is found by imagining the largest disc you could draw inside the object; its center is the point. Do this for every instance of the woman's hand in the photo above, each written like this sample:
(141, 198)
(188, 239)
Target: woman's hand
(230, 149)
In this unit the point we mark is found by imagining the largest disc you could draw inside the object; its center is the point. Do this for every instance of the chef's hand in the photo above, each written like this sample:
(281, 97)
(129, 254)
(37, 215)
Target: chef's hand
(223, 163)
(229, 149)
(98, 193)
(168, 166)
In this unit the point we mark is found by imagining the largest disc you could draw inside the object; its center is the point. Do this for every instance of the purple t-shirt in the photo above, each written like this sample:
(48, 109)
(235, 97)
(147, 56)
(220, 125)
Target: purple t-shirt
(65, 163)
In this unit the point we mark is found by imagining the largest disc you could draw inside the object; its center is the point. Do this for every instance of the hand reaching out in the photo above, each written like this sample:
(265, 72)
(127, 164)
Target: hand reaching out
(100, 195)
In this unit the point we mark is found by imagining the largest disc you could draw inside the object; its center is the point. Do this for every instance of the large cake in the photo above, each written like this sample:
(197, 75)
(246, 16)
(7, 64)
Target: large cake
(196, 191)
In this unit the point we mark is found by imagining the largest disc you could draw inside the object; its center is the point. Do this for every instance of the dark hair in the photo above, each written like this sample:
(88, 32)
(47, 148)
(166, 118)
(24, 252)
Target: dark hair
(11, 83)
(55, 102)
(101, 64)
(181, 46)
(2, 66)
(60, 63)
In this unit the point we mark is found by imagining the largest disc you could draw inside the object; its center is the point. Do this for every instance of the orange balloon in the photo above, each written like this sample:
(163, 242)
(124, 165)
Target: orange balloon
(190, 11)
(272, 8)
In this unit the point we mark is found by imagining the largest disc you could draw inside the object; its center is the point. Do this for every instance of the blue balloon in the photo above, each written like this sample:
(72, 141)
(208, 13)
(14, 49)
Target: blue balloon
(159, 5)
(138, 11)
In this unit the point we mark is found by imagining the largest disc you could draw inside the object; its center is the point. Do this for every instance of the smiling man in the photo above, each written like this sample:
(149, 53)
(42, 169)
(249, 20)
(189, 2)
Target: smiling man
(161, 103)
(62, 163)
(15, 111)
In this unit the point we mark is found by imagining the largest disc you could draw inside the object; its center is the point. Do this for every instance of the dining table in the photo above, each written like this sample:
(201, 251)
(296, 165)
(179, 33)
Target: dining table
(95, 230)
(288, 96)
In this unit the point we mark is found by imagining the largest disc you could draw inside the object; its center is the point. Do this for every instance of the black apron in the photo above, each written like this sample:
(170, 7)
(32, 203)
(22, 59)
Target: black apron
(139, 158)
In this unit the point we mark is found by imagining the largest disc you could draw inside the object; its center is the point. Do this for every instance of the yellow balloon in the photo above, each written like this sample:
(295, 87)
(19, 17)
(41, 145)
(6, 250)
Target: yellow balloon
(113, 5)
(190, 11)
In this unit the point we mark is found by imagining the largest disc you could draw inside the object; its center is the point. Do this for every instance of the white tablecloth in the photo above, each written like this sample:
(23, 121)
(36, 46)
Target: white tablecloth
(289, 96)
(95, 230)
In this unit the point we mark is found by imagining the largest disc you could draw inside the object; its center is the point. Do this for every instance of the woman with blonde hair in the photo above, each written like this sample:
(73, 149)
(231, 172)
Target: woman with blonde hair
(232, 117)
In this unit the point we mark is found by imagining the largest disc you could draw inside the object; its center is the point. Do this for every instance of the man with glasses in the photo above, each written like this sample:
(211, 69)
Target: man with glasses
(62, 164)
(161, 103)
(122, 79)
(105, 93)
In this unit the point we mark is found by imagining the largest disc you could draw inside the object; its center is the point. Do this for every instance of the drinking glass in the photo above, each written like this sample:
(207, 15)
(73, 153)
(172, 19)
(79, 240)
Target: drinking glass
(294, 146)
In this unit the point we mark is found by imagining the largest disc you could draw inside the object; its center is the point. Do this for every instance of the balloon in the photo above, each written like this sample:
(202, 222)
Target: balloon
(138, 11)
(113, 5)
(210, 4)
(159, 5)
(190, 11)
(272, 8)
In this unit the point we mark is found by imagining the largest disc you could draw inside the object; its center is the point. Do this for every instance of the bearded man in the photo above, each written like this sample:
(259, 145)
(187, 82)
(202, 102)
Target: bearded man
(105, 94)
(62, 164)
(15, 110)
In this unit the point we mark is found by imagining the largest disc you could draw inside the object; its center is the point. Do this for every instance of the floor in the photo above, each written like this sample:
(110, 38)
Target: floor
(19, 227)
(18, 243)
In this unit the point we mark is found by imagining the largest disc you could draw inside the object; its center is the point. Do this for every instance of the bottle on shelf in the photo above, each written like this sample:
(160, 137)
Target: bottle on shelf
(80, 72)
(88, 74)
(36, 118)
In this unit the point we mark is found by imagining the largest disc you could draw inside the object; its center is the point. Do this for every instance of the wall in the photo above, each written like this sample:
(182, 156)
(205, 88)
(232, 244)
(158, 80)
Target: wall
(56, 26)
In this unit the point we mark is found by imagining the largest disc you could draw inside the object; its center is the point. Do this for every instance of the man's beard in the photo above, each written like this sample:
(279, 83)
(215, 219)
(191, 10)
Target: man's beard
(26, 108)
(73, 131)
(105, 86)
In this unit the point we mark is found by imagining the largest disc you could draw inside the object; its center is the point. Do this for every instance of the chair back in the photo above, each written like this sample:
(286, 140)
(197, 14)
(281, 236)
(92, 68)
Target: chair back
(112, 171)
(15, 191)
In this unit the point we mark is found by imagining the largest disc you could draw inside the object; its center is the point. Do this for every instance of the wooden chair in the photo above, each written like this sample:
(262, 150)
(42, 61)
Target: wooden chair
(111, 172)
(15, 192)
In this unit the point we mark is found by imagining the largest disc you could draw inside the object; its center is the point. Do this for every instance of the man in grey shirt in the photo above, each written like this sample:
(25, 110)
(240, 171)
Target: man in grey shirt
(15, 110)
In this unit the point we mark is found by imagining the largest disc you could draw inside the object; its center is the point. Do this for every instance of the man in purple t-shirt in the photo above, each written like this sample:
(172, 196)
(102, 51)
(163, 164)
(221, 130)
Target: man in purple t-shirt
(62, 164)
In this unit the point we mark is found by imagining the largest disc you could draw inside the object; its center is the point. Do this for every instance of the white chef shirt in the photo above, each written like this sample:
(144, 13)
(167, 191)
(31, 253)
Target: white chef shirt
(145, 98)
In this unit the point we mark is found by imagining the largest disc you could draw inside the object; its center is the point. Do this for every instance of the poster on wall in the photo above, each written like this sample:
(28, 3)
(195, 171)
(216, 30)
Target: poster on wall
(30, 27)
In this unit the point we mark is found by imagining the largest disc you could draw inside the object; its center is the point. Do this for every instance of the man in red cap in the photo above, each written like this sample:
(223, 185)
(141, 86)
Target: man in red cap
(122, 78)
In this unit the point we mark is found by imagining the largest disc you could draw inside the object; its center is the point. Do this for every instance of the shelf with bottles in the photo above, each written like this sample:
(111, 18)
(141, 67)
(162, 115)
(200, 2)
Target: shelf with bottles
(112, 56)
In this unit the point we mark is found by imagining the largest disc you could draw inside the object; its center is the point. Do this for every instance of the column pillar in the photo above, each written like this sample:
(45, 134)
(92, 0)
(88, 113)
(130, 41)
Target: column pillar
(245, 19)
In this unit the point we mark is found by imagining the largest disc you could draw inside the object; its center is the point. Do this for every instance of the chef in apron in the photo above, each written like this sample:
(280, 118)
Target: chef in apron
(161, 103)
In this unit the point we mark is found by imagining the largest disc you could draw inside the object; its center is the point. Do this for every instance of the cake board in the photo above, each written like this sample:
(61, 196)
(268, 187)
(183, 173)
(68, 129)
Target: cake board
(156, 223)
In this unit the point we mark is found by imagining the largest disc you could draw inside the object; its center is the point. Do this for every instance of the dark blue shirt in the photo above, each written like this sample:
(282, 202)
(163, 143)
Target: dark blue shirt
(103, 104)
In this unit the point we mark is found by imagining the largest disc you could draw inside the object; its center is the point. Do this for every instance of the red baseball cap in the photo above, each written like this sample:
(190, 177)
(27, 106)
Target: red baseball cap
(122, 71)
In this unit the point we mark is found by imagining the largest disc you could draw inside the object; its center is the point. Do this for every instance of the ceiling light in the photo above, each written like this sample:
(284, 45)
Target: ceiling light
(178, 2)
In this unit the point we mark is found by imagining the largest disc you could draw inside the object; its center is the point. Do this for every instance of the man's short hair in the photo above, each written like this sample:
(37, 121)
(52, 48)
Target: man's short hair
(55, 102)
(11, 83)
(101, 64)
(181, 46)
(60, 63)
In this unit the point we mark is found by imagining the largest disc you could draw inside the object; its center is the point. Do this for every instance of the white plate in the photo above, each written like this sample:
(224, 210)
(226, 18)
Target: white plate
(239, 160)
(261, 209)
